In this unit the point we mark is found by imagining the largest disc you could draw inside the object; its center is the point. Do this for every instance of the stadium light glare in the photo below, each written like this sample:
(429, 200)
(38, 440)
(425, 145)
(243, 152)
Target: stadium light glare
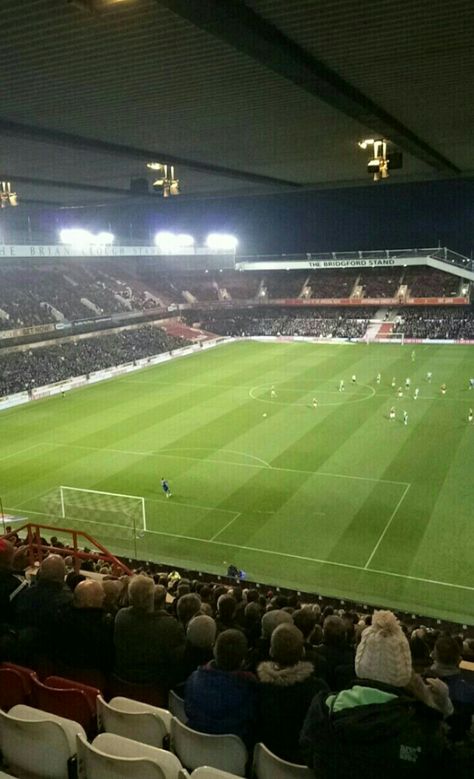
(75, 236)
(184, 240)
(103, 237)
(78, 237)
(172, 242)
(221, 242)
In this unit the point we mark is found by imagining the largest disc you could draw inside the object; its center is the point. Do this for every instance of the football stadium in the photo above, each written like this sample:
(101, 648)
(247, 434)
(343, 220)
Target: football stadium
(236, 390)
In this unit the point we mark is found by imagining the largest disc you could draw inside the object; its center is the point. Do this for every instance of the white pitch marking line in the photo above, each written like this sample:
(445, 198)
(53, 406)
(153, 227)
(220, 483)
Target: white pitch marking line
(20, 451)
(293, 556)
(171, 450)
(382, 535)
(162, 453)
(225, 526)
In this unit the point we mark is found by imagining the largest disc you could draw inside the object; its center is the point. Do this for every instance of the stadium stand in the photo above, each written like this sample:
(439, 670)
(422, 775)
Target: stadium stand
(260, 671)
(436, 322)
(284, 284)
(425, 282)
(26, 369)
(45, 293)
(324, 322)
(380, 283)
(331, 283)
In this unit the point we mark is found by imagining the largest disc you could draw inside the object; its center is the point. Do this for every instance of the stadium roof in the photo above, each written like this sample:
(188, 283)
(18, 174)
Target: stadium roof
(244, 97)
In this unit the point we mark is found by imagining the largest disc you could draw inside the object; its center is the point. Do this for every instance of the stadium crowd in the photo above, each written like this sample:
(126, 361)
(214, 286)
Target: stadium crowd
(30, 368)
(324, 322)
(340, 691)
(45, 293)
(37, 295)
(436, 322)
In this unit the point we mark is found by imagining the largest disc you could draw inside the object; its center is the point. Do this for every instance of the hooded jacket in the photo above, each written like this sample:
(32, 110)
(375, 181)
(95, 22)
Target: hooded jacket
(284, 696)
(373, 730)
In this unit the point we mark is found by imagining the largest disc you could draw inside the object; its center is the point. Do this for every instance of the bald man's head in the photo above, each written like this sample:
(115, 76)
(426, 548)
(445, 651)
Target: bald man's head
(89, 594)
(52, 569)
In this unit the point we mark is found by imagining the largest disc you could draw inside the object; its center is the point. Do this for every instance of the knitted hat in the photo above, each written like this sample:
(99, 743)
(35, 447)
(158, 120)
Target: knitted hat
(384, 653)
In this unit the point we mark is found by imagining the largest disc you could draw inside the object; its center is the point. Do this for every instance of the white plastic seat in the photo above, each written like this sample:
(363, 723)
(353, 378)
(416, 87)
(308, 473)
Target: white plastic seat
(176, 706)
(120, 748)
(93, 763)
(134, 720)
(37, 745)
(266, 765)
(194, 749)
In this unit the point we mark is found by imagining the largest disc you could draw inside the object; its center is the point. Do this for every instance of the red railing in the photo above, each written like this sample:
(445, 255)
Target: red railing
(37, 550)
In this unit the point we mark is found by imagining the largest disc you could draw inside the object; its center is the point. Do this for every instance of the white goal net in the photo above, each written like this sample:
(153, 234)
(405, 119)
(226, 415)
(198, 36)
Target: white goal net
(103, 508)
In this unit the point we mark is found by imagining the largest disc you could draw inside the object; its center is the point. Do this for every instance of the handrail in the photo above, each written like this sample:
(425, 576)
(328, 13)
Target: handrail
(37, 550)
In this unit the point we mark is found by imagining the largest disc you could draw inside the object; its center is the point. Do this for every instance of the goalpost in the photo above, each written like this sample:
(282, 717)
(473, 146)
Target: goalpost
(103, 508)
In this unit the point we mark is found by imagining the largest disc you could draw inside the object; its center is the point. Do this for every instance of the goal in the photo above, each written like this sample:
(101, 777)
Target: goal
(103, 508)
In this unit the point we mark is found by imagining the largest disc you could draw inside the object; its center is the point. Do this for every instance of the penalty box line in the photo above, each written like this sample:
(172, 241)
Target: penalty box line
(201, 460)
(333, 563)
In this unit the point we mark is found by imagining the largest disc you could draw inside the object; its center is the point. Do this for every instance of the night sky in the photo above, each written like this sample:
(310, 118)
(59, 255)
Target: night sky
(378, 216)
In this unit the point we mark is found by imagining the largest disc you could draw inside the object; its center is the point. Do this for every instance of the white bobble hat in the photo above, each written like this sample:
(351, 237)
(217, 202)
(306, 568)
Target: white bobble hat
(383, 654)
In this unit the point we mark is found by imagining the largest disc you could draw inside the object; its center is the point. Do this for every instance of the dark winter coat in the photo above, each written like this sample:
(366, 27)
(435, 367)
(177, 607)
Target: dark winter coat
(373, 730)
(86, 639)
(219, 701)
(148, 647)
(284, 696)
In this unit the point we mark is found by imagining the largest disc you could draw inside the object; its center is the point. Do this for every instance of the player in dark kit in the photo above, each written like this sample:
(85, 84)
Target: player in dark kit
(165, 487)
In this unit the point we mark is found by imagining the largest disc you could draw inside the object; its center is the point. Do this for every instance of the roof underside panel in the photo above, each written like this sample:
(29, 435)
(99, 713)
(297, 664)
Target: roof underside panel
(140, 74)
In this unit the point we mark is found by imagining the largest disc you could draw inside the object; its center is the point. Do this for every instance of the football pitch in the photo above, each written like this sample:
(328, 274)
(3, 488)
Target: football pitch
(337, 499)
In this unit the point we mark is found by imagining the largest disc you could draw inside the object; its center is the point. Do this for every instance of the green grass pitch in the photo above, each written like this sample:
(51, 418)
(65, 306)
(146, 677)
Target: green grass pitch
(338, 499)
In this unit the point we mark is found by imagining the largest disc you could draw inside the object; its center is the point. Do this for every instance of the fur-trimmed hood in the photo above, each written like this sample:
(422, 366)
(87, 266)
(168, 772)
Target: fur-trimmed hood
(271, 673)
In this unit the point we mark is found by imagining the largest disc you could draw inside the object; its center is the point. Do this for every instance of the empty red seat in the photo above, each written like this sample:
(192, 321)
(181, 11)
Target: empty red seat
(61, 683)
(15, 685)
(71, 703)
(13, 689)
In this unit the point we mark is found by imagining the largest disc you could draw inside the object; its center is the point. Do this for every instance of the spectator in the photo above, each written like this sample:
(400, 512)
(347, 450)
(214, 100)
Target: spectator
(86, 630)
(287, 687)
(378, 725)
(226, 612)
(447, 657)
(335, 651)
(198, 648)
(270, 621)
(11, 582)
(220, 697)
(187, 607)
(306, 620)
(252, 623)
(148, 644)
(38, 609)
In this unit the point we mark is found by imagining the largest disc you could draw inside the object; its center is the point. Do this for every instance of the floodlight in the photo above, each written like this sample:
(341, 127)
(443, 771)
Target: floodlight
(7, 197)
(75, 236)
(165, 240)
(184, 240)
(366, 142)
(221, 242)
(172, 242)
(103, 238)
(155, 165)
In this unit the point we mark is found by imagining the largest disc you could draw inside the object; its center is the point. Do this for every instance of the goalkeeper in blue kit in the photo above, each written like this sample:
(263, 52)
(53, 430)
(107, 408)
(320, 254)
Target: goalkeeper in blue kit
(165, 487)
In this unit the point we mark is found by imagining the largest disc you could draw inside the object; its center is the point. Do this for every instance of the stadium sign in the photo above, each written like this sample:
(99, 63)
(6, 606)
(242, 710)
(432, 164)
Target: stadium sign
(89, 250)
(369, 263)
(355, 262)
(44, 251)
